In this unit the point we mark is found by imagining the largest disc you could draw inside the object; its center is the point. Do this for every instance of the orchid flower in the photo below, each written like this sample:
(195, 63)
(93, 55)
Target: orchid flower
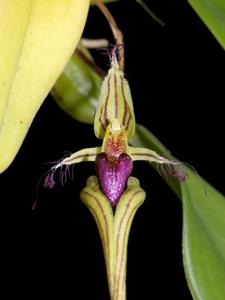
(113, 197)
(115, 124)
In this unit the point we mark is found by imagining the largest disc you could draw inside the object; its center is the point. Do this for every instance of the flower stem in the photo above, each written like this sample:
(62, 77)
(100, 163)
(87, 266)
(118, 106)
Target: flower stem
(117, 33)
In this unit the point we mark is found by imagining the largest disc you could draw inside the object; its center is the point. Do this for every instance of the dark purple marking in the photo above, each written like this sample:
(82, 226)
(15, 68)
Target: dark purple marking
(143, 154)
(124, 101)
(122, 258)
(103, 214)
(107, 100)
(122, 219)
(113, 175)
(100, 119)
(97, 220)
(79, 156)
(160, 158)
(128, 121)
(116, 97)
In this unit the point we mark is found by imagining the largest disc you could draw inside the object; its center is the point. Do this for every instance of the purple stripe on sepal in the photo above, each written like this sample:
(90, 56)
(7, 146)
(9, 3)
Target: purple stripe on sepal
(113, 175)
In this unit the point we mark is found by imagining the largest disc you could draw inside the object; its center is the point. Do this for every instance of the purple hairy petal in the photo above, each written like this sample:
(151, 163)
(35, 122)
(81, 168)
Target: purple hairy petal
(113, 175)
(176, 171)
(180, 174)
(49, 180)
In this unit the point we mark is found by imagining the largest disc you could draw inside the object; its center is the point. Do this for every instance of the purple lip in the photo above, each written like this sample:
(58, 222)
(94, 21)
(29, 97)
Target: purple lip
(113, 175)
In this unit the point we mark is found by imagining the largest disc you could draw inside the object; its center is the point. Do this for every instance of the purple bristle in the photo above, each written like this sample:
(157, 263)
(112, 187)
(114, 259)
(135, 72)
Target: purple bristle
(49, 180)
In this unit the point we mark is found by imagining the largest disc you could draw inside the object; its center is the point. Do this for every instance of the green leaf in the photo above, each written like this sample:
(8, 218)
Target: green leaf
(204, 239)
(212, 13)
(203, 227)
(77, 89)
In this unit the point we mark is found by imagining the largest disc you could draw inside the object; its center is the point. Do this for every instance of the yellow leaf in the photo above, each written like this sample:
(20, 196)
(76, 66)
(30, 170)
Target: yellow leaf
(37, 39)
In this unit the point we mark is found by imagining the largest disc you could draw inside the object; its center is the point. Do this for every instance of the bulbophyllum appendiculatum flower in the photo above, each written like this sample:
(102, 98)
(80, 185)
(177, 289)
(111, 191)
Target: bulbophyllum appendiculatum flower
(115, 124)
(113, 187)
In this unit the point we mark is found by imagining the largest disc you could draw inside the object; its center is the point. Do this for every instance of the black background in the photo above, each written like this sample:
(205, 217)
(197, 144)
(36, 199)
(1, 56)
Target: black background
(175, 74)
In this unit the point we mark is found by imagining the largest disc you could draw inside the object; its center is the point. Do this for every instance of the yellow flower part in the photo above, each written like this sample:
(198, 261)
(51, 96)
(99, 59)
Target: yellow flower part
(38, 38)
(114, 123)
(115, 102)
